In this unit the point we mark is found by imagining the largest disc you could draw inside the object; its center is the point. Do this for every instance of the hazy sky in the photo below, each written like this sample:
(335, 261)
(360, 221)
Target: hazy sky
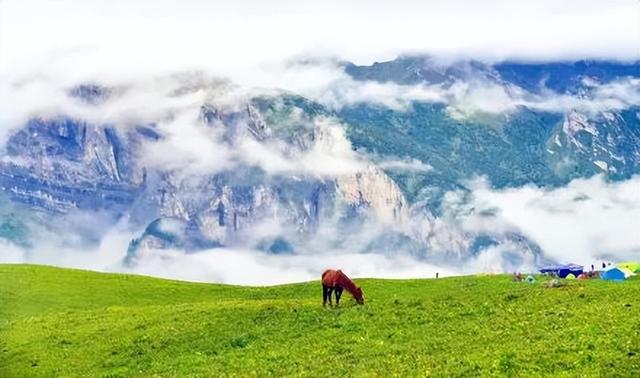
(197, 34)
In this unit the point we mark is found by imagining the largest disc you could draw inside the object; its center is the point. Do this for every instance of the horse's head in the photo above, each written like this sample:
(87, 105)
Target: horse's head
(359, 295)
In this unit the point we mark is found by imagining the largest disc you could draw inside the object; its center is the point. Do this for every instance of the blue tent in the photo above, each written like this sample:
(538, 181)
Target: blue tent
(613, 274)
(551, 268)
(563, 271)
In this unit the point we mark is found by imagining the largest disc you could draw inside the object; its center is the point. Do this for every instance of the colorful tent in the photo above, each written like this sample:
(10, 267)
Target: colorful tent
(563, 271)
(530, 279)
(627, 272)
(570, 276)
(632, 266)
(613, 274)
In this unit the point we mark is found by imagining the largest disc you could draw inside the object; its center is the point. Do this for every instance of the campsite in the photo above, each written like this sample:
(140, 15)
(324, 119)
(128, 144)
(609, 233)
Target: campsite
(122, 325)
(610, 272)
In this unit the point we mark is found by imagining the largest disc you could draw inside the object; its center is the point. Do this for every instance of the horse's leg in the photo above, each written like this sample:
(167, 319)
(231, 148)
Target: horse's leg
(329, 292)
(325, 290)
(338, 295)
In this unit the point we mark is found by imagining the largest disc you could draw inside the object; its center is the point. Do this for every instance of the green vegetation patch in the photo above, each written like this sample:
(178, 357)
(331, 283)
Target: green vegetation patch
(64, 322)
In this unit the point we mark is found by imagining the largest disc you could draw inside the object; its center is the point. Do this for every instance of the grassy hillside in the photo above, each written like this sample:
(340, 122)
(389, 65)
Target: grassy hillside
(61, 322)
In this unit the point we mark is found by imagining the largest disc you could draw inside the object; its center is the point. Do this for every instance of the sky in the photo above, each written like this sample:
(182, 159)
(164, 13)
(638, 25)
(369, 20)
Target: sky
(169, 34)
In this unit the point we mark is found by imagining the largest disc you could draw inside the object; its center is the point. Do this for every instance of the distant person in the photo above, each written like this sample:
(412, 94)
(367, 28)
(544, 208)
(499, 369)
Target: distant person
(604, 265)
(437, 274)
(592, 268)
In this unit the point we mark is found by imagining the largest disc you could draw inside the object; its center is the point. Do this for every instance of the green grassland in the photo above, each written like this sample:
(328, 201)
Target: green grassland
(64, 322)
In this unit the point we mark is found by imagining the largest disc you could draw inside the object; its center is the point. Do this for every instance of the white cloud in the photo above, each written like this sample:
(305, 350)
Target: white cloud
(329, 155)
(616, 95)
(223, 265)
(144, 100)
(48, 46)
(11, 254)
(187, 147)
(501, 258)
(164, 35)
(173, 104)
(405, 165)
(588, 220)
(163, 99)
(324, 81)
(342, 90)
(57, 246)
(258, 268)
(468, 98)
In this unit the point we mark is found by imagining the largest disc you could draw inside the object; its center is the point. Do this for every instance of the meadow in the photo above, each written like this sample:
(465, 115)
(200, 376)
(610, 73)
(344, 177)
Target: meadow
(65, 322)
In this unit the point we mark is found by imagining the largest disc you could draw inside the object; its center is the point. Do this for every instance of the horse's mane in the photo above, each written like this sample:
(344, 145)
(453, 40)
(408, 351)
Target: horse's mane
(346, 282)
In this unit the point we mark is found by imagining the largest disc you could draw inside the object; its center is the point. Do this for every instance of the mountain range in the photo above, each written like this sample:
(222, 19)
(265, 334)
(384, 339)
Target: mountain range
(293, 173)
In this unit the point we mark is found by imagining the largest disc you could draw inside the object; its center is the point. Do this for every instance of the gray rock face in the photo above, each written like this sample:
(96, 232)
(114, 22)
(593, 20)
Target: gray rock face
(63, 164)
(374, 190)
(246, 208)
(607, 143)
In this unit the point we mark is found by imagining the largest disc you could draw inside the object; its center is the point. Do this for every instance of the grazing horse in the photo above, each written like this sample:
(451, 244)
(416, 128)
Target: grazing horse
(335, 280)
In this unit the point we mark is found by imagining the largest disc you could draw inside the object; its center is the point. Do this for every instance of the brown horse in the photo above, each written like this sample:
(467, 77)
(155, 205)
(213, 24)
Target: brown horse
(335, 280)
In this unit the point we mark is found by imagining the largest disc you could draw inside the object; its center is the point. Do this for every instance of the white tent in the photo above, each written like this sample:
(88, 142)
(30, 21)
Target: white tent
(627, 273)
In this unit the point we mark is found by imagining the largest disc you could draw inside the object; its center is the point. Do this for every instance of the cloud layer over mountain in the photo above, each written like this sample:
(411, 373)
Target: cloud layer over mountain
(605, 232)
(179, 95)
(585, 221)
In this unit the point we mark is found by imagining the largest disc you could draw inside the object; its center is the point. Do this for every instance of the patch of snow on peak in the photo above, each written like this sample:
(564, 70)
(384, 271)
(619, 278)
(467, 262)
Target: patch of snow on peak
(574, 123)
(602, 165)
